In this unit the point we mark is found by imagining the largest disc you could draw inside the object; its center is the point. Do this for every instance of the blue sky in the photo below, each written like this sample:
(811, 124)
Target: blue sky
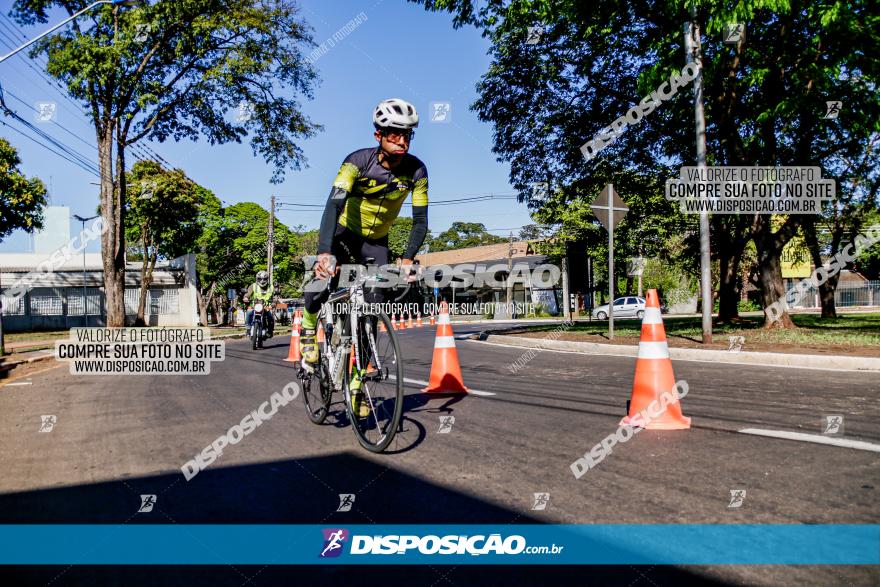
(401, 50)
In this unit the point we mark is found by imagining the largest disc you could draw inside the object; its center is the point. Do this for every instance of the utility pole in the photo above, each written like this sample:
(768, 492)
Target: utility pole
(641, 268)
(590, 288)
(270, 249)
(2, 346)
(509, 269)
(566, 293)
(85, 302)
(694, 55)
(610, 262)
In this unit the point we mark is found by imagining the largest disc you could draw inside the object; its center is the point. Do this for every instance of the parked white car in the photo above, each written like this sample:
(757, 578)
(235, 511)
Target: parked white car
(626, 307)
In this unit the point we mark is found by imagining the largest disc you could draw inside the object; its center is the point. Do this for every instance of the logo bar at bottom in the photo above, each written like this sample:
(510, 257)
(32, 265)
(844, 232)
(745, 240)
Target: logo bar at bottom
(592, 544)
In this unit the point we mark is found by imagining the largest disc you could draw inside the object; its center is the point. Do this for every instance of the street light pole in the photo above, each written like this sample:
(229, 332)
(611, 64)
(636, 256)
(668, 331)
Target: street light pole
(694, 55)
(85, 299)
(131, 3)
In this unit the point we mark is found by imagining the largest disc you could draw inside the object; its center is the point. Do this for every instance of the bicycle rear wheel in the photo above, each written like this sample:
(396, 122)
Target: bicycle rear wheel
(381, 383)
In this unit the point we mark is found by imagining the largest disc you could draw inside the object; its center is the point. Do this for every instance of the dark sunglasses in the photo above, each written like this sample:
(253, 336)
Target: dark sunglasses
(396, 134)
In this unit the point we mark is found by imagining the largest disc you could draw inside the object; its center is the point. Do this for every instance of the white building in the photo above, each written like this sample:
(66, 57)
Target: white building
(55, 299)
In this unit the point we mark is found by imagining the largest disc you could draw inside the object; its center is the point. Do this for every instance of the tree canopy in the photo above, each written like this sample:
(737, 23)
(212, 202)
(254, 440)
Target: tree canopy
(225, 70)
(23, 198)
(765, 101)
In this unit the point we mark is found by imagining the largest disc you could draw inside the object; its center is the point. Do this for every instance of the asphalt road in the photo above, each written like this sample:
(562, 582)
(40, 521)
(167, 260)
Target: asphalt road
(116, 438)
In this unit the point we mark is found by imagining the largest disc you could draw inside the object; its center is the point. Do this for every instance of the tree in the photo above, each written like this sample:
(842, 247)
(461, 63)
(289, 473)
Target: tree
(211, 259)
(764, 98)
(534, 232)
(161, 216)
(398, 236)
(233, 248)
(172, 69)
(462, 235)
(23, 199)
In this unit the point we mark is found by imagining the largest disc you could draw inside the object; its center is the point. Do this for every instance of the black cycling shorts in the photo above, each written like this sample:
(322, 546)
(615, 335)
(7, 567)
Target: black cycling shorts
(350, 247)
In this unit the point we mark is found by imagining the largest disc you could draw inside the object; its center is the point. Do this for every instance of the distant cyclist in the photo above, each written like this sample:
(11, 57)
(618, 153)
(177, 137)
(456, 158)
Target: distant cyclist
(366, 198)
(261, 291)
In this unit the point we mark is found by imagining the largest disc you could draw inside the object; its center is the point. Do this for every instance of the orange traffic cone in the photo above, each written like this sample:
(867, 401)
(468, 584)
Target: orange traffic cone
(431, 321)
(410, 323)
(394, 325)
(419, 321)
(445, 369)
(294, 355)
(382, 327)
(654, 376)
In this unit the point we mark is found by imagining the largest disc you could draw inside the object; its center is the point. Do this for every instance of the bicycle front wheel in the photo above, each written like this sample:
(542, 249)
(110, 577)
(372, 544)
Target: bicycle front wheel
(374, 393)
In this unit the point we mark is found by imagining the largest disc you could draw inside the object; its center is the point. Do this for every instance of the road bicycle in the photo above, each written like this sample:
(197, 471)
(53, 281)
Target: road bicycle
(357, 338)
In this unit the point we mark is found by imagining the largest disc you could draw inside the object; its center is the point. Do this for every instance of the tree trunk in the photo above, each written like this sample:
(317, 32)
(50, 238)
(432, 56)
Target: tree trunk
(146, 281)
(203, 309)
(142, 295)
(770, 281)
(827, 289)
(826, 297)
(730, 237)
(729, 287)
(219, 310)
(112, 239)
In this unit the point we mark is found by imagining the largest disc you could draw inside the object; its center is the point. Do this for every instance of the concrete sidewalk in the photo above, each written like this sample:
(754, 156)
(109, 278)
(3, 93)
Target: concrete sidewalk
(824, 362)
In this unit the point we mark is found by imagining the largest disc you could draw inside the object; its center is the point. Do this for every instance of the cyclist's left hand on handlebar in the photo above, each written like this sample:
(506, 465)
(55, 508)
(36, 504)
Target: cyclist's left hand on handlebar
(325, 267)
(408, 269)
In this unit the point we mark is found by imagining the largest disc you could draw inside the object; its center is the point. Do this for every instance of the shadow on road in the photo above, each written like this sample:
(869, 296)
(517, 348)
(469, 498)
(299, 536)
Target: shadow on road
(290, 492)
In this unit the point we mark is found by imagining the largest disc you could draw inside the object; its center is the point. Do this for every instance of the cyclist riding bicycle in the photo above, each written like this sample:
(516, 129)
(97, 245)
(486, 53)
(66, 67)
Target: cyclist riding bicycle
(263, 292)
(366, 198)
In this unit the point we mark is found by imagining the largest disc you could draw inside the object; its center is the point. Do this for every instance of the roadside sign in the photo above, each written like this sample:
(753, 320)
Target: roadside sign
(600, 207)
(610, 210)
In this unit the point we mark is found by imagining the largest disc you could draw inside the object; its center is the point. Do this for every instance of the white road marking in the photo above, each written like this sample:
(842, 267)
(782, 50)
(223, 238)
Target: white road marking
(20, 383)
(816, 438)
(420, 382)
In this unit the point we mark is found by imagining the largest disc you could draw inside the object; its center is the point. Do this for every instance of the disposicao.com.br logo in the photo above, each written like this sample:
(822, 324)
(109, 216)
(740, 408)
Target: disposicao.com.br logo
(476, 545)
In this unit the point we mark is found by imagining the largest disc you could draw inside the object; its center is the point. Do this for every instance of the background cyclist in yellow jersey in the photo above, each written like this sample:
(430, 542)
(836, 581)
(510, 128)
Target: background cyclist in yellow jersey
(366, 197)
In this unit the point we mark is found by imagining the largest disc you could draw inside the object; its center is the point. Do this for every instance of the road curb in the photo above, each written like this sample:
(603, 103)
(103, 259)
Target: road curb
(824, 362)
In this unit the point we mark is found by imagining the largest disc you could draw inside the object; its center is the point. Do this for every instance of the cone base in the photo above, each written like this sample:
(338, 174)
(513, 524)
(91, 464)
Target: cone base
(447, 384)
(442, 389)
(684, 424)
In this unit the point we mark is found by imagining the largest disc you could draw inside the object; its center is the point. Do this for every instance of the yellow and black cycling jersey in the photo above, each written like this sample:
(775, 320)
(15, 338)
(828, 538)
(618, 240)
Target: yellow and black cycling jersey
(366, 198)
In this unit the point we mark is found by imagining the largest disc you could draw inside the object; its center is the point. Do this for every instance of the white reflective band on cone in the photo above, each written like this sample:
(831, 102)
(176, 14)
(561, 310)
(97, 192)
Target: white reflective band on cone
(653, 350)
(443, 319)
(652, 316)
(444, 342)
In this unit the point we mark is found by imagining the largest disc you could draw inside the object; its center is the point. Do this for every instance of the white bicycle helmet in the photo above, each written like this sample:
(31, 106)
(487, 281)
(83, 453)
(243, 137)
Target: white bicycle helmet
(395, 113)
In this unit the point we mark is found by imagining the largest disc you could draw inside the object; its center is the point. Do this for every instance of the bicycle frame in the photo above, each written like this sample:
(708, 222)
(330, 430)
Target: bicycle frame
(339, 343)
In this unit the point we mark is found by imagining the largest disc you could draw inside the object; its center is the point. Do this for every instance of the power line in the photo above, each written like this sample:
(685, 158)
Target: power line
(140, 151)
(450, 202)
(75, 162)
(62, 127)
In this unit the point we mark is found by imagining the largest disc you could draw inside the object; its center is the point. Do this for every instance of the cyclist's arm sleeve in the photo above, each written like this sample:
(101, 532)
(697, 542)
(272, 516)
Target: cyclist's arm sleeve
(342, 186)
(420, 214)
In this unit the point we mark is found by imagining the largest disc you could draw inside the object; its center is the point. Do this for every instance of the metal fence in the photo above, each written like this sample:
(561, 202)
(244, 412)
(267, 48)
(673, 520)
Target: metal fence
(847, 295)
